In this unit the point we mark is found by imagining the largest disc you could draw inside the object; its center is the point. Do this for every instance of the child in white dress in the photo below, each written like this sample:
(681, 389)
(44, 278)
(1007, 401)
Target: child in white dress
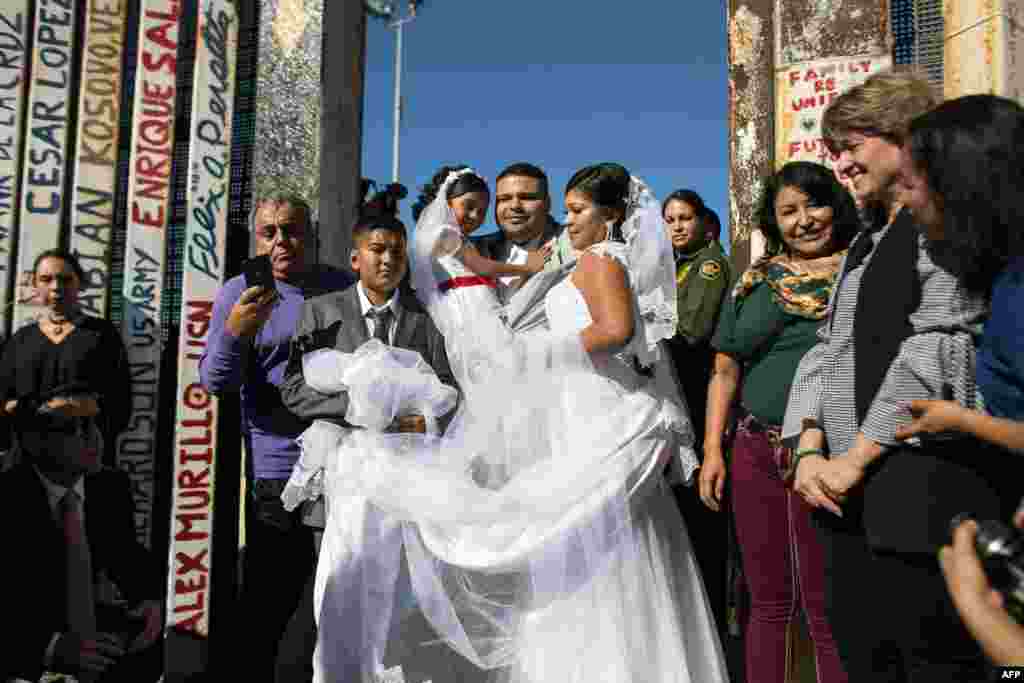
(468, 198)
(463, 298)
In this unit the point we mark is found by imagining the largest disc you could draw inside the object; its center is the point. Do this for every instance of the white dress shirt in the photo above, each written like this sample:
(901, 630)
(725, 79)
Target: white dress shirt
(367, 306)
(517, 255)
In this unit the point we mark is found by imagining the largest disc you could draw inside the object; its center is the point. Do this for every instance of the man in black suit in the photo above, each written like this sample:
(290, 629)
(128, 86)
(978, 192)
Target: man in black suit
(375, 307)
(84, 593)
(522, 208)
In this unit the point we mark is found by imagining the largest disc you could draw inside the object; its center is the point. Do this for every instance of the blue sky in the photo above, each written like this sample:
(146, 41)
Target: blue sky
(559, 83)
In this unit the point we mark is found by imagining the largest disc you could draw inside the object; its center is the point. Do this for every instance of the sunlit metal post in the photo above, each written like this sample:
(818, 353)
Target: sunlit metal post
(396, 133)
(398, 25)
(388, 12)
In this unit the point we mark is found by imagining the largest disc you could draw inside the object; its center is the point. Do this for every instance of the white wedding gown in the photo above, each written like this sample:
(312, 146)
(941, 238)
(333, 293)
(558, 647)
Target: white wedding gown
(536, 539)
(645, 615)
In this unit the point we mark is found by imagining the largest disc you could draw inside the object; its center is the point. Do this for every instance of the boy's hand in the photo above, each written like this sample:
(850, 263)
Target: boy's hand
(409, 424)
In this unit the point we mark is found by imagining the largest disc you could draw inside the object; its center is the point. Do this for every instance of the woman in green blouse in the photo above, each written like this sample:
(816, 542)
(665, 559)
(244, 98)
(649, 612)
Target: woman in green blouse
(766, 326)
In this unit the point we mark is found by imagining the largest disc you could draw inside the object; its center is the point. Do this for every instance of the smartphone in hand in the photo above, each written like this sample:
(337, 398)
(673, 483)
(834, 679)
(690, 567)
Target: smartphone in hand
(258, 272)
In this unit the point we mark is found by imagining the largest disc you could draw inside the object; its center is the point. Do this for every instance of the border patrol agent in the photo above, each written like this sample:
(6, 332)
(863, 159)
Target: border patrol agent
(703, 276)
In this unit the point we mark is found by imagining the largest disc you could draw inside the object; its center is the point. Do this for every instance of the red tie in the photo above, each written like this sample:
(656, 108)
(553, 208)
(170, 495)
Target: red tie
(81, 608)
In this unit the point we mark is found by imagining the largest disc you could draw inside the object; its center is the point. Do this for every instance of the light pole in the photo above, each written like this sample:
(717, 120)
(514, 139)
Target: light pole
(396, 142)
(388, 12)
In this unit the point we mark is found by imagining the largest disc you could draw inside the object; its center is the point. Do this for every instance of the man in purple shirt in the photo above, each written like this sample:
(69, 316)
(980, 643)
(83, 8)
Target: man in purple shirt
(247, 351)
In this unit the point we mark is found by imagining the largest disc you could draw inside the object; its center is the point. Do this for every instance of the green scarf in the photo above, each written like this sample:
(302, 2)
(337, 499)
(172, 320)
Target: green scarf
(800, 288)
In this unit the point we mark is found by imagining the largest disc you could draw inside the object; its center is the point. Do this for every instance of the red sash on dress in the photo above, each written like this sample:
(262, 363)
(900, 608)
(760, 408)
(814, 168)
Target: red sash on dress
(466, 281)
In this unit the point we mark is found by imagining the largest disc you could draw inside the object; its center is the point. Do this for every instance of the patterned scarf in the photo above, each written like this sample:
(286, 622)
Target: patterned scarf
(800, 288)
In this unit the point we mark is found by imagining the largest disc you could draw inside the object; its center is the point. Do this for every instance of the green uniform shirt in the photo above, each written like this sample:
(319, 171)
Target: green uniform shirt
(702, 280)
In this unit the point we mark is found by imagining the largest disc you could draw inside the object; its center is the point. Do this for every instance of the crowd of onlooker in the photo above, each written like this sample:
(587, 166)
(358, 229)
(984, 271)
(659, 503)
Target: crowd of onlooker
(83, 596)
(855, 389)
(867, 391)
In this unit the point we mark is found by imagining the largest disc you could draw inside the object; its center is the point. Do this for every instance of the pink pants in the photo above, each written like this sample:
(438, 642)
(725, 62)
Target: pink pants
(782, 558)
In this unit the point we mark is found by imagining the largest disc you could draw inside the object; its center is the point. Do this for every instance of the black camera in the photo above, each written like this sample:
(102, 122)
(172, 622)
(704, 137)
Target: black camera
(1001, 550)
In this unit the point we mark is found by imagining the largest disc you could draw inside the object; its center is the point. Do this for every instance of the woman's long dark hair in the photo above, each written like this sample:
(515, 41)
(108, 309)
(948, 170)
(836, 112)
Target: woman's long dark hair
(467, 182)
(818, 183)
(971, 151)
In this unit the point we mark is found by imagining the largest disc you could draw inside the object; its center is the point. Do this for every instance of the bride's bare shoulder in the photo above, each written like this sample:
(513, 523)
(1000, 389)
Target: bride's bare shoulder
(602, 256)
(599, 267)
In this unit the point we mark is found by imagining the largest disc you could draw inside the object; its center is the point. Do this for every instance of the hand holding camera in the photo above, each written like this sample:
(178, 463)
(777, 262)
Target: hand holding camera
(984, 570)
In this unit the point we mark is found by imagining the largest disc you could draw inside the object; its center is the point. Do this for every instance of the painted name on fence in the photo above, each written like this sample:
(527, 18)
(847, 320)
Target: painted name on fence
(14, 20)
(44, 175)
(149, 196)
(191, 553)
(99, 110)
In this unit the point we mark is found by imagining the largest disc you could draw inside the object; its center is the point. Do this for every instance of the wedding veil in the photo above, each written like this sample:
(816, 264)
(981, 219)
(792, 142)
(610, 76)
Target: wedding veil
(528, 496)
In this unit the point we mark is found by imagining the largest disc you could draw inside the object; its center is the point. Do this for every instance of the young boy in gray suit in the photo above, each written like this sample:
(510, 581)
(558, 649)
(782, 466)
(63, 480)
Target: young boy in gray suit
(375, 307)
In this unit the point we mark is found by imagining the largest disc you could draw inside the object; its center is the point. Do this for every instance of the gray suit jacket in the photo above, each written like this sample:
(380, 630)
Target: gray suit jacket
(335, 321)
(496, 246)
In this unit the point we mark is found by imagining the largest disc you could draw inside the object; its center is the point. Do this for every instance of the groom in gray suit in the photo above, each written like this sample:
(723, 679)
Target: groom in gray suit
(375, 307)
(522, 208)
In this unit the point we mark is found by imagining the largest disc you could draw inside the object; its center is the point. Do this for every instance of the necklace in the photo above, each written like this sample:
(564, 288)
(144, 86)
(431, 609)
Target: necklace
(58, 325)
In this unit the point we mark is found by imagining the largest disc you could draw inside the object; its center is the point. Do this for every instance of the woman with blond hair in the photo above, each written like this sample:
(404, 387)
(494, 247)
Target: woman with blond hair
(901, 328)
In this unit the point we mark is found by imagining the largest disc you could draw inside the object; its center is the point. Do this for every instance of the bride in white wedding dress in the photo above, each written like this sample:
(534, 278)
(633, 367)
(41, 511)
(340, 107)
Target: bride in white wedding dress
(536, 536)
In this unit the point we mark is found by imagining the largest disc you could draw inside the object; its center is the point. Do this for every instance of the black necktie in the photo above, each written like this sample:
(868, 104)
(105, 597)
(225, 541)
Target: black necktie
(382, 319)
